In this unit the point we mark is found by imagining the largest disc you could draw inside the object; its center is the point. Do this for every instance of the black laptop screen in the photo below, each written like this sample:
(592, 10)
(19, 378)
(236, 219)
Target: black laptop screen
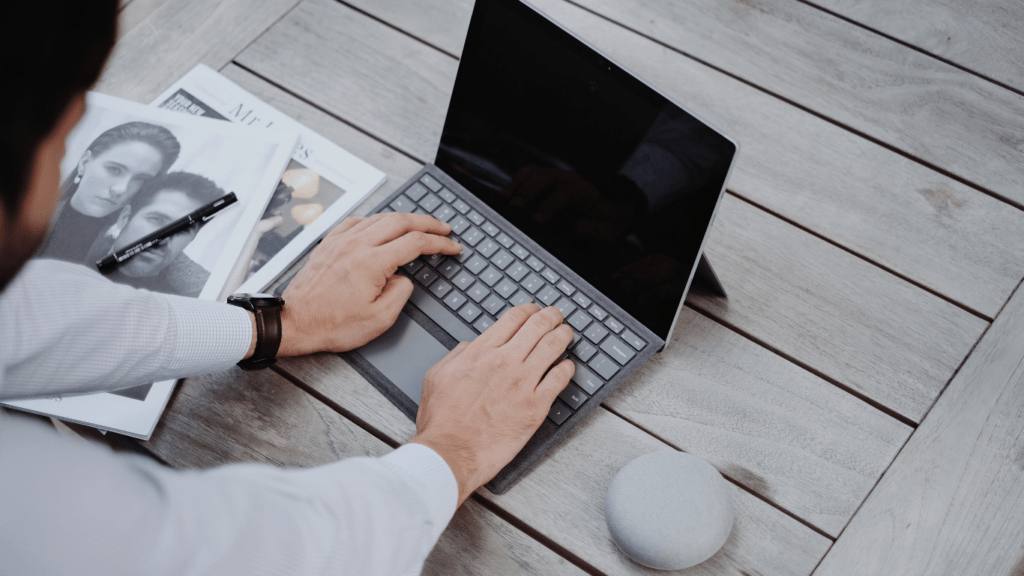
(603, 172)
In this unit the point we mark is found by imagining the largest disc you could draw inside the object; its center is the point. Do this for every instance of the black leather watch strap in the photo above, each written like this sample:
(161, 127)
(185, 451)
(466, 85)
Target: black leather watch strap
(267, 310)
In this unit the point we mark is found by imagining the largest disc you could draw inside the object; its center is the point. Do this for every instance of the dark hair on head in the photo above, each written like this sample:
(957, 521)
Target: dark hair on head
(197, 187)
(156, 136)
(50, 51)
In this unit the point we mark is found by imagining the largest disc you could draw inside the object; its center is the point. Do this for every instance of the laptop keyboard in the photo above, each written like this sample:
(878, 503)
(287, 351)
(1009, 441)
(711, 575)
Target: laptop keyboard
(467, 293)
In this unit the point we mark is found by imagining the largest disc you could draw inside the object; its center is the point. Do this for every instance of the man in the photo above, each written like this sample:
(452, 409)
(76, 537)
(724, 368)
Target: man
(68, 508)
(161, 201)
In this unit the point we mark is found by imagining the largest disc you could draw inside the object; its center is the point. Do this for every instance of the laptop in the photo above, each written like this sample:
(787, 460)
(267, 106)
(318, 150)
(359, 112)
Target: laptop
(570, 183)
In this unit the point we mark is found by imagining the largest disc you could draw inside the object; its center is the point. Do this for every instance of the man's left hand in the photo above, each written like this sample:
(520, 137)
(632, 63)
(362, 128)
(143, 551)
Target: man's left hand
(349, 293)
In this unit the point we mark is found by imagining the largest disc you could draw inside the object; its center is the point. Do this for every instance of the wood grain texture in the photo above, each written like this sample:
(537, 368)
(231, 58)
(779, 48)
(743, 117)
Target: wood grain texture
(841, 316)
(782, 432)
(261, 417)
(441, 23)
(982, 36)
(953, 501)
(563, 496)
(181, 34)
(369, 74)
(132, 14)
(926, 227)
(929, 109)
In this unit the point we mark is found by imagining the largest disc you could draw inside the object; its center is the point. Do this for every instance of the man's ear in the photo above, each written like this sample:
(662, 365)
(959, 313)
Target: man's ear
(86, 158)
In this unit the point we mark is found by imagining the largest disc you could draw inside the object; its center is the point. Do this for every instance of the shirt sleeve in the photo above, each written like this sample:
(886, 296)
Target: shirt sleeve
(74, 508)
(113, 335)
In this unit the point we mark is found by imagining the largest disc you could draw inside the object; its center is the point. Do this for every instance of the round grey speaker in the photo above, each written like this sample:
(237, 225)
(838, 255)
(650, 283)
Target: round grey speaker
(669, 510)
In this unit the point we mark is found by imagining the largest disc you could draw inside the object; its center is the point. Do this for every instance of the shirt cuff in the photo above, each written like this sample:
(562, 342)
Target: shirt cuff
(433, 480)
(210, 336)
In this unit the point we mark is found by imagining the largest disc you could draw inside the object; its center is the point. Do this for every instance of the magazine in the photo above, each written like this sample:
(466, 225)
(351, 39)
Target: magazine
(131, 169)
(322, 184)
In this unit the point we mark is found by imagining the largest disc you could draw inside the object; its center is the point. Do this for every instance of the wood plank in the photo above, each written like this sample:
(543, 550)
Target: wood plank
(981, 36)
(181, 34)
(953, 501)
(777, 429)
(562, 498)
(133, 14)
(440, 23)
(261, 417)
(927, 108)
(712, 392)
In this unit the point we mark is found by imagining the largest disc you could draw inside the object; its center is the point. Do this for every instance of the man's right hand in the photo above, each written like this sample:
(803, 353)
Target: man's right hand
(486, 398)
(349, 293)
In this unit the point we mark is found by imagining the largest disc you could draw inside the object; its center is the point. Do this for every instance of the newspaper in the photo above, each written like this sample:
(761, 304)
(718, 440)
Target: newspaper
(322, 184)
(129, 170)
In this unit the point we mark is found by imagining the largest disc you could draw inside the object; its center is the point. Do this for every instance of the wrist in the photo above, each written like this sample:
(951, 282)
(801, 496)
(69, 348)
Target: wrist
(461, 466)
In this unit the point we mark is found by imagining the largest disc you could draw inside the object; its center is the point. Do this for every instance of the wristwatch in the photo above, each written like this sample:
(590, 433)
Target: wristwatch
(267, 309)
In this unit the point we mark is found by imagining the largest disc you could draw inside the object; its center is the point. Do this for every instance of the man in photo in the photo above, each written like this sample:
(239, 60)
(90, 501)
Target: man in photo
(160, 202)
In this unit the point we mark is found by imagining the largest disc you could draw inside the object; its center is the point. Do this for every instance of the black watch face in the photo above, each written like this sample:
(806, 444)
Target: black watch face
(259, 299)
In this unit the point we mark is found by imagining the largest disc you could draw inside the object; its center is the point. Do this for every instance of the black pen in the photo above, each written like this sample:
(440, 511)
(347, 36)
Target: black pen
(198, 216)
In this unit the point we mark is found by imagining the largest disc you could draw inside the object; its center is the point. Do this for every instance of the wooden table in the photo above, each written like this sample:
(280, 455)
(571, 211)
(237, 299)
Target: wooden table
(862, 388)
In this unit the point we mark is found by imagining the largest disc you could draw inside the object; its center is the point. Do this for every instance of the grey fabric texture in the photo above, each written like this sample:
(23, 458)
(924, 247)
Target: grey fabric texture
(669, 510)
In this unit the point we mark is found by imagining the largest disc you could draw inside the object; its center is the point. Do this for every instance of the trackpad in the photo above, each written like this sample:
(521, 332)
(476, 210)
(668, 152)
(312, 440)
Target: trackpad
(404, 354)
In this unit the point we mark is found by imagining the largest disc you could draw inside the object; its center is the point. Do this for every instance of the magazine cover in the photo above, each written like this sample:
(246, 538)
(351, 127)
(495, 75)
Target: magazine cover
(129, 170)
(321, 185)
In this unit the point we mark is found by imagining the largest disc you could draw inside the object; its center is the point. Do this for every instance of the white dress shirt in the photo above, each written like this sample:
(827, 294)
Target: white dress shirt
(69, 507)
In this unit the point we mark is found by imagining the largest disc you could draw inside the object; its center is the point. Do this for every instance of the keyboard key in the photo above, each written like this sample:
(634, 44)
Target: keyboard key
(483, 323)
(614, 325)
(402, 204)
(618, 350)
(454, 300)
(548, 295)
(565, 306)
(465, 254)
(520, 298)
(559, 412)
(439, 313)
(444, 213)
(550, 276)
(516, 271)
(586, 379)
(493, 305)
(505, 240)
(598, 313)
(469, 313)
(421, 211)
(430, 202)
(575, 338)
(488, 247)
(490, 228)
(413, 266)
(596, 332)
(459, 224)
(490, 276)
(476, 264)
(573, 396)
(633, 340)
(533, 283)
(386, 210)
(446, 195)
(473, 236)
(535, 263)
(502, 259)
(448, 268)
(475, 218)
(580, 320)
(430, 182)
(602, 365)
(464, 280)
(426, 275)
(585, 351)
(416, 191)
(461, 206)
(433, 259)
(566, 288)
(440, 288)
(520, 252)
(582, 300)
(478, 292)
(505, 288)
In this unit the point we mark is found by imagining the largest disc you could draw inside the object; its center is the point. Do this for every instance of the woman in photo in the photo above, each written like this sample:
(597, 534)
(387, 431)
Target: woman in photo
(109, 173)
